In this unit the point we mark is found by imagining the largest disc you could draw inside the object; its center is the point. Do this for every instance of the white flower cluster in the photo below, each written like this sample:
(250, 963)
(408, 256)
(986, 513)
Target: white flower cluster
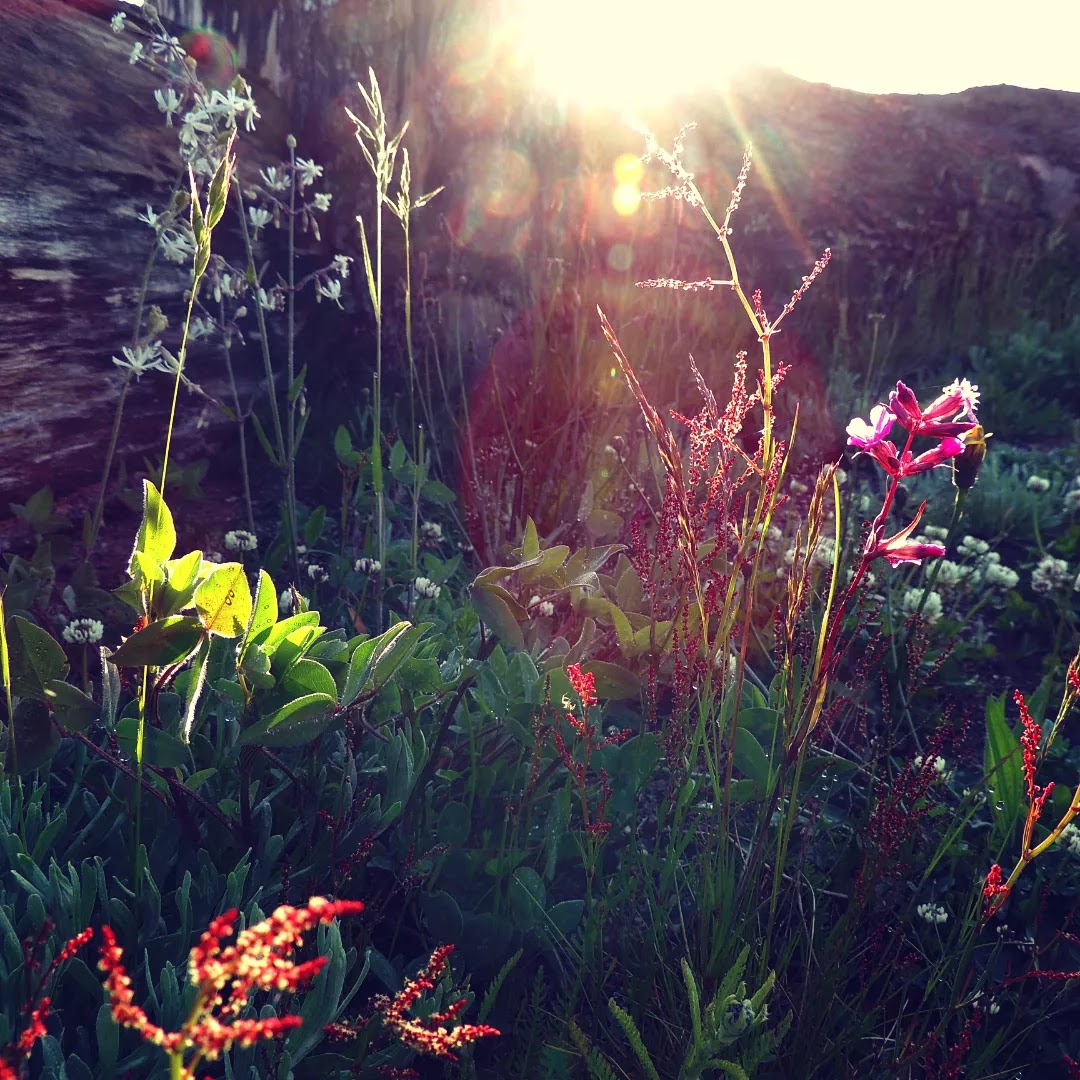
(367, 566)
(932, 610)
(932, 913)
(1072, 497)
(543, 607)
(1070, 837)
(1038, 484)
(241, 540)
(972, 546)
(317, 573)
(1050, 575)
(431, 533)
(83, 632)
(938, 763)
(139, 359)
(427, 588)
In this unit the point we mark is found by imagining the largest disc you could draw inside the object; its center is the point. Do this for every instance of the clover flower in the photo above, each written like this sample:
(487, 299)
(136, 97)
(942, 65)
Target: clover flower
(972, 545)
(1039, 484)
(932, 913)
(1070, 838)
(241, 540)
(431, 532)
(317, 573)
(425, 587)
(83, 632)
(1072, 500)
(1050, 575)
(367, 566)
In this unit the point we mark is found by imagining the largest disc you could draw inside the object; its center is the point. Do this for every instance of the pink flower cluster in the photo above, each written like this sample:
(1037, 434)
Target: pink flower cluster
(948, 419)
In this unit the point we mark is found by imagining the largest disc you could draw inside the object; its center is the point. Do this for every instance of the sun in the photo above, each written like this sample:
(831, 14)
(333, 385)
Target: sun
(620, 54)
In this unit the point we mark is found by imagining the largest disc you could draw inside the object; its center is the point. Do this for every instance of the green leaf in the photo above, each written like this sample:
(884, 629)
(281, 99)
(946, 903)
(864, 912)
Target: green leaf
(74, 710)
(565, 916)
(159, 747)
(297, 385)
(343, 448)
(314, 527)
(156, 538)
(300, 721)
(179, 586)
(310, 677)
(613, 681)
(527, 897)
(35, 658)
(263, 611)
(395, 651)
(36, 736)
(165, 642)
(530, 544)
(442, 914)
(750, 759)
(436, 492)
(223, 601)
(493, 604)
(1004, 769)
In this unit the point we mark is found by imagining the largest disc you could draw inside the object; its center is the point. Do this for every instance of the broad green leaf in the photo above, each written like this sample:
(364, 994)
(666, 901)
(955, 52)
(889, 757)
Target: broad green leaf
(165, 642)
(565, 917)
(276, 633)
(493, 604)
(159, 747)
(750, 759)
(1004, 766)
(613, 681)
(264, 610)
(74, 710)
(530, 544)
(437, 493)
(36, 736)
(179, 587)
(395, 651)
(255, 667)
(157, 535)
(223, 601)
(527, 897)
(310, 677)
(300, 721)
(313, 529)
(35, 658)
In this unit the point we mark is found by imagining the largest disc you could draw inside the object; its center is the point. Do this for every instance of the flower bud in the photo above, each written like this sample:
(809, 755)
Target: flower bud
(966, 465)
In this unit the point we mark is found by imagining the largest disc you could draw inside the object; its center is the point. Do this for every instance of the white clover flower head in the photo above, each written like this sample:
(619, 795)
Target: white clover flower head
(260, 216)
(301, 550)
(1039, 484)
(340, 265)
(545, 608)
(140, 359)
(950, 573)
(1072, 500)
(1050, 575)
(117, 21)
(533, 600)
(367, 566)
(83, 632)
(308, 170)
(317, 573)
(241, 540)
(427, 588)
(431, 532)
(322, 201)
(932, 913)
(285, 601)
(331, 290)
(939, 764)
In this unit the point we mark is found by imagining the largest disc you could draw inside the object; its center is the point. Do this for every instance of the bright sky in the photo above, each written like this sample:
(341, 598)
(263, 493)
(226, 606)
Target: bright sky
(626, 52)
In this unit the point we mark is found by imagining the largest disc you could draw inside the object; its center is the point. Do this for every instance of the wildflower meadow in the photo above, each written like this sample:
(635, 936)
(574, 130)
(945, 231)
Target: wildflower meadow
(488, 739)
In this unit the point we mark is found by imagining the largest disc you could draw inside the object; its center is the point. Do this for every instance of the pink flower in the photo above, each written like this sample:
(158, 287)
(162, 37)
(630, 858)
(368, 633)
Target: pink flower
(866, 436)
(900, 548)
(895, 464)
(957, 400)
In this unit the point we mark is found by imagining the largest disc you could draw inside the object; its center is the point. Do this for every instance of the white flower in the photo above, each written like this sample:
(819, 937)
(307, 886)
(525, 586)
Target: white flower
(309, 171)
(932, 913)
(177, 247)
(230, 105)
(140, 359)
(118, 21)
(284, 602)
(241, 540)
(1039, 484)
(972, 545)
(136, 53)
(274, 300)
(200, 328)
(425, 587)
(1001, 576)
(1050, 575)
(150, 217)
(1070, 837)
(340, 265)
(936, 532)
(212, 556)
(166, 46)
(367, 566)
(259, 216)
(331, 290)
(950, 573)
(1072, 500)
(317, 573)
(938, 764)
(546, 608)
(168, 103)
(431, 532)
(932, 609)
(322, 201)
(274, 178)
(83, 632)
